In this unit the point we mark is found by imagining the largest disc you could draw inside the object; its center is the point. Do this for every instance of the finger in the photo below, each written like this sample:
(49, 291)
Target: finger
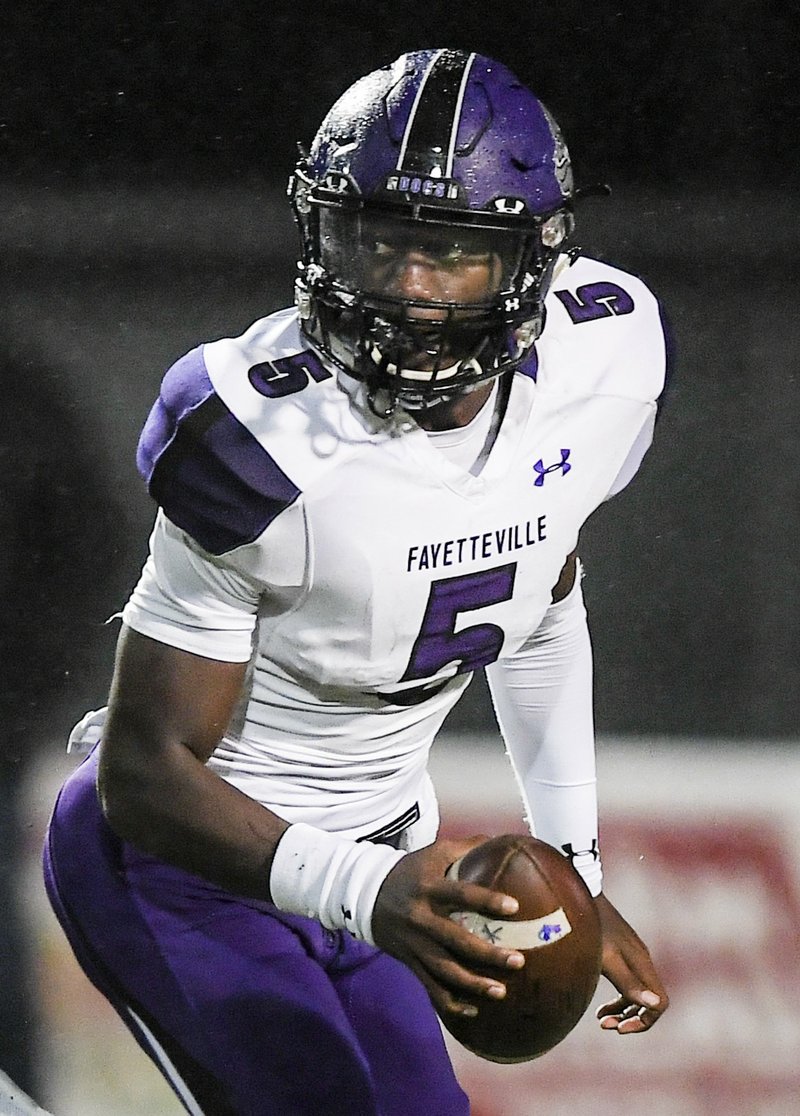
(630, 969)
(456, 895)
(470, 947)
(631, 1026)
(630, 1018)
(629, 1023)
(644, 998)
(444, 999)
(451, 987)
(468, 959)
(637, 981)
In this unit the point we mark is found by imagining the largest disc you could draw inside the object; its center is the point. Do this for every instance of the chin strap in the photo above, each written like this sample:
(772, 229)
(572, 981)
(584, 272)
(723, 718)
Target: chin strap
(386, 412)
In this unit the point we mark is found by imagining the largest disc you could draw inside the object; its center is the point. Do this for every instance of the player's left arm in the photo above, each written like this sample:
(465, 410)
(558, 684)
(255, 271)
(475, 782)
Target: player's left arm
(543, 701)
(627, 963)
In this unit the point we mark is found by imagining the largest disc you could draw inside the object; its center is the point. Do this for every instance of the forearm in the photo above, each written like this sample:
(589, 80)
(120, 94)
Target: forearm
(543, 701)
(181, 812)
(167, 711)
(175, 808)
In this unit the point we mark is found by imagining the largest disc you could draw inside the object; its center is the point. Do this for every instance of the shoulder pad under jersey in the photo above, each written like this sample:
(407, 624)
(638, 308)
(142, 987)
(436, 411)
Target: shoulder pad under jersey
(606, 332)
(207, 465)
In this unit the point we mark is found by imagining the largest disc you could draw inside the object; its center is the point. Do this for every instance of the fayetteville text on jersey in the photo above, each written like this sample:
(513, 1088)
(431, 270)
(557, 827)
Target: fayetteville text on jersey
(432, 556)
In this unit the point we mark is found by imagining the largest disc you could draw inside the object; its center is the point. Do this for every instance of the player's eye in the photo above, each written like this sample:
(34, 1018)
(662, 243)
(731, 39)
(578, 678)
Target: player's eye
(392, 251)
(450, 256)
(458, 256)
(384, 249)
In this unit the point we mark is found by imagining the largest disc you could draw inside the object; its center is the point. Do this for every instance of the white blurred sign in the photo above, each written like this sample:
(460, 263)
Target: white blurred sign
(700, 847)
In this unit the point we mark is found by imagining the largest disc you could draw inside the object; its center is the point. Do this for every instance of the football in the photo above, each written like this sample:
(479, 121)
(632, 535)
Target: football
(557, 928)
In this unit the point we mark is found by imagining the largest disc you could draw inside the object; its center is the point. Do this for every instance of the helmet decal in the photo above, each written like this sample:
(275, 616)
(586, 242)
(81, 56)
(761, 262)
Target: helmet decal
(430, 136)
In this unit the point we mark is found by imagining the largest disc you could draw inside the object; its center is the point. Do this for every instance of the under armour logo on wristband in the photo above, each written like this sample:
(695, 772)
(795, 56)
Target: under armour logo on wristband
(576, 854)
(563, 466)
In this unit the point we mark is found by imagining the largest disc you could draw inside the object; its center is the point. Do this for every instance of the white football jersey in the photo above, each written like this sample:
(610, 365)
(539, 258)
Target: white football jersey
(362, 573)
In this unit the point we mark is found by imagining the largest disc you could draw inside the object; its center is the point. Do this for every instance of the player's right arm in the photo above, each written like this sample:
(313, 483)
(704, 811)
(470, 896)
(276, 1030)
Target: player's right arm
(167, 710)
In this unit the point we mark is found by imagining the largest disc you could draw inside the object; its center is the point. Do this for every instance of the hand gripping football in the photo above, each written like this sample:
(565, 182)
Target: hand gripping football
(557, 928)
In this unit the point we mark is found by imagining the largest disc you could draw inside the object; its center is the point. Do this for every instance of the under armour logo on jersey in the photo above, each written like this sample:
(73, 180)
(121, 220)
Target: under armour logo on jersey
(563, 466)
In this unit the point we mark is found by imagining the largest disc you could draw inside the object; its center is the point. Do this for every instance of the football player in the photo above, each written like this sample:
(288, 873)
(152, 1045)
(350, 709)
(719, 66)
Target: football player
(362, 500)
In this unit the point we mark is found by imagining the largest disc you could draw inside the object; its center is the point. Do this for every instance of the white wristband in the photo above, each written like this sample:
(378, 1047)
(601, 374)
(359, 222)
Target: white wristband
(330, 878)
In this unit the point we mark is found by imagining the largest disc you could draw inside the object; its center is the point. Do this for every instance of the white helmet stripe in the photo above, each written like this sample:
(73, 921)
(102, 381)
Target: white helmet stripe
(457, 116)
(414, 107)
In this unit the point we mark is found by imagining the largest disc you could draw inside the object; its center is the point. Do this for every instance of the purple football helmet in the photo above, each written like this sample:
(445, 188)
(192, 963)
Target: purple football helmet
(443, 156)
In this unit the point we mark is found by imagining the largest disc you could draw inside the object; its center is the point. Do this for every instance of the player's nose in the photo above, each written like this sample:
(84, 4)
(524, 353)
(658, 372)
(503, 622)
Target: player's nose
(417, 276)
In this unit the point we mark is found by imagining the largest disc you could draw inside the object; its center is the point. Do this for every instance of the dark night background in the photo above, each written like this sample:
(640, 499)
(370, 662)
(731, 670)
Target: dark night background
(144, 150)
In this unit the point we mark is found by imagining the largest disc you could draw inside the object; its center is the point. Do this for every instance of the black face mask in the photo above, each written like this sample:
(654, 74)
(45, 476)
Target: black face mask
(469, 312)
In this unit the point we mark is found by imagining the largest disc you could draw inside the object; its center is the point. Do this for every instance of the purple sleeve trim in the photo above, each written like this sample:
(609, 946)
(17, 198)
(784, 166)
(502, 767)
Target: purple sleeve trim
(204, 468)
(530, 365)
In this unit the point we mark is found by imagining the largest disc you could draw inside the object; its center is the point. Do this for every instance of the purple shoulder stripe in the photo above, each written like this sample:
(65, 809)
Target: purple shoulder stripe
(530, 365)
(185, 387)
(204, 467)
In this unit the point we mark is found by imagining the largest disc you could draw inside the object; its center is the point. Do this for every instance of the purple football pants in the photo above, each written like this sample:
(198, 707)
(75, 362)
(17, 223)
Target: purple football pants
(246, 1011)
